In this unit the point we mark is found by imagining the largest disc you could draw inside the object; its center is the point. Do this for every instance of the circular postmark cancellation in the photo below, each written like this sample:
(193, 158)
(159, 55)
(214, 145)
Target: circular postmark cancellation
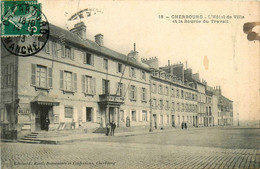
(24, 29)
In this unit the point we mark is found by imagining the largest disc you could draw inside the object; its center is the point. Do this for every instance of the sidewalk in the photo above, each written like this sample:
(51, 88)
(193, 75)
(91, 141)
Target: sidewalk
(86, 136)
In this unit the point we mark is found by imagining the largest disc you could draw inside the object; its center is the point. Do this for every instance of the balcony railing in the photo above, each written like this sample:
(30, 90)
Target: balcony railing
(111, 98)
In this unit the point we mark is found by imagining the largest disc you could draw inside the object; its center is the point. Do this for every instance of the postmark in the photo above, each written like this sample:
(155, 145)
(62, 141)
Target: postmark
(24, 29)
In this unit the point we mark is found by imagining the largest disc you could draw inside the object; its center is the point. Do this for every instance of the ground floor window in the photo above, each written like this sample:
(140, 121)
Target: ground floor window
(133, 113)
(144, 115)
(178, 119)
(88, 113)
(161, 119)
(122, 115)
(68, 111)
(168, 119)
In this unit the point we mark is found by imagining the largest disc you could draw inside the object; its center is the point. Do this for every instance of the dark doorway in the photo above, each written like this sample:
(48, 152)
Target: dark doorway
(88, 113)
(41, 114)
(155, 121)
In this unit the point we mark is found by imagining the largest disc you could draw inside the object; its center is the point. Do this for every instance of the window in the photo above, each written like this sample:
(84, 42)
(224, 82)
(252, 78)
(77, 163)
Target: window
(143, 75)
(161, 119)
(68, 81)
(161, 104)
(105, 86)
(172, 92)
(209, 110)
(143, 94)
(173, 106)
(133, 113)
(182, 107)
(166, 90)
(154, 88)
(154, 103)
(167, 119)
(182, 94)
(68, 111)
(144, 115)
(132, 72)
(88, 84)
(68, 53)
(120, 87)
(119, 68)
(41, 76)
(167, 104)
(160, 89)
(105, 64)
(177, 93)
(88, 59)
(88, 114)
(122, 115)
(7, 71)
(133, 93)
(178, 107)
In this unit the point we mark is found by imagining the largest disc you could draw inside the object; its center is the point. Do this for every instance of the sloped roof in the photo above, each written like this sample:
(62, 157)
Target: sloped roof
(92, 46)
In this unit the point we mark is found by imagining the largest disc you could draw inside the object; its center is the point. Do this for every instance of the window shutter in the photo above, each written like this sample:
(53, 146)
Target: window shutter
(84, 57)
(117, 88)
(130, 74)
(50, 76)
(92, 60)
(124, 90)
(61, 79)
(50, 47)
(54, 49)
(141, 93)
(145, 94)
(47, 47)
(72, 53)
(75, 82)
(129, 92)
(62, 51)
(135, 93)
(33, 75)
(94, 85)
(83, 83)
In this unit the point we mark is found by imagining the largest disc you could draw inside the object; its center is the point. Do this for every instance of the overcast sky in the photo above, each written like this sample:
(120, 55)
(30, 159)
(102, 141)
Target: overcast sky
(233, 61)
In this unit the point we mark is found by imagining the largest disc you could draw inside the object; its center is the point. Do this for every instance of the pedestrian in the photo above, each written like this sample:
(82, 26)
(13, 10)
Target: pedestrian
(182, 125)
(108, 129)
(113, 127)
(47, 122)
(185, 125)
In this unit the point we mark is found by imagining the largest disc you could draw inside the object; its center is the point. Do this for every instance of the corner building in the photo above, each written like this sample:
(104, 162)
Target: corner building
(75, 82)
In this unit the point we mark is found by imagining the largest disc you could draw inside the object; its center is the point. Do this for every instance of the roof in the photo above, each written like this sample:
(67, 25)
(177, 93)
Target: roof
(92, 46)
(43, 99)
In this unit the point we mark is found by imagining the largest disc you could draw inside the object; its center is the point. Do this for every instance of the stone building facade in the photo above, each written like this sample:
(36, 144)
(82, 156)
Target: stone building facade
(79, 83)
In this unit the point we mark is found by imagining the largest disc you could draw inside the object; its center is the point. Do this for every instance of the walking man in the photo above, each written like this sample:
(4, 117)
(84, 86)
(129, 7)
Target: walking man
(113, 127)
(108, 129)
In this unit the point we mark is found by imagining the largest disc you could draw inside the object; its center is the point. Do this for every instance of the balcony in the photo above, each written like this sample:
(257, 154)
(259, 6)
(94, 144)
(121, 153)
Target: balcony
(110, 99)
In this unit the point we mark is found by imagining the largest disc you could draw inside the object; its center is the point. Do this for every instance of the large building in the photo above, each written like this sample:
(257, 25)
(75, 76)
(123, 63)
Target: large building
(79, 83)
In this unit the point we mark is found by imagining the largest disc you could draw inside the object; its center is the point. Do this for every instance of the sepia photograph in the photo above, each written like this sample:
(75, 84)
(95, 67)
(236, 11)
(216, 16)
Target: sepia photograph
(130, 84)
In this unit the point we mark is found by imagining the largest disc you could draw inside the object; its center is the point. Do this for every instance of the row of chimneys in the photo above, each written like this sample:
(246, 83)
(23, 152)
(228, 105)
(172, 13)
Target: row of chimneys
(80, 30)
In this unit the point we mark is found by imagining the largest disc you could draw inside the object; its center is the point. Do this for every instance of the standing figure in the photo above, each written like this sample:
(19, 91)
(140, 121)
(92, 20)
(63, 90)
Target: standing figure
(182, 125)
(185, 125)
(108, 129)
(47, 122)
(113, 127)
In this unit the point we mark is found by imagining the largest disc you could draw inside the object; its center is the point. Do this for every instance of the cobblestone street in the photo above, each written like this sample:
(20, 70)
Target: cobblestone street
(145, 152)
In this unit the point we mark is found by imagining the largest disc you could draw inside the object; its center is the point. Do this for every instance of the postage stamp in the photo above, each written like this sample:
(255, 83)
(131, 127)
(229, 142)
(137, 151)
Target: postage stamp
(24, 28)
(20, 18)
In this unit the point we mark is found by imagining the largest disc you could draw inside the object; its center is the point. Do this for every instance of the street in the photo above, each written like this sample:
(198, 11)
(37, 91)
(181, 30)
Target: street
(195, 148)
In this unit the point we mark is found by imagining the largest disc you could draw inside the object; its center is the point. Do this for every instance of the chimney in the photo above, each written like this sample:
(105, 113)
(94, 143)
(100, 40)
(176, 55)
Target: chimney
(80, 30)
(134, 54)
(169, 63)
(99, 39)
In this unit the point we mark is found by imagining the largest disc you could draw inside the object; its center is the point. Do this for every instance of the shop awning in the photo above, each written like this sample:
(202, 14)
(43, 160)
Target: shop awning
(43, 99)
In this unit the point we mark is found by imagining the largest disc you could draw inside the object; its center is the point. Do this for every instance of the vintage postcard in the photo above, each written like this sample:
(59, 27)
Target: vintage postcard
(130, 84)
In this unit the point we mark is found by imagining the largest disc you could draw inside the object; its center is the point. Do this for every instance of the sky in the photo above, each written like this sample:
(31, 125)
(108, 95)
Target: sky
(233, 61)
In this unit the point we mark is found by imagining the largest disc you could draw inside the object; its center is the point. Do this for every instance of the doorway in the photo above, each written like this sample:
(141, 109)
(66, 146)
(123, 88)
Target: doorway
(173, 121)
(41, 114)
(155, 121)
(89, 114)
